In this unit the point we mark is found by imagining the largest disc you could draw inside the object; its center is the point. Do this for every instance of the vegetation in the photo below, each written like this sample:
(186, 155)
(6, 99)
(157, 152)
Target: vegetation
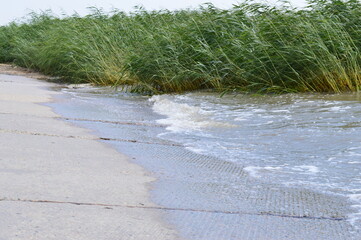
(251, 47)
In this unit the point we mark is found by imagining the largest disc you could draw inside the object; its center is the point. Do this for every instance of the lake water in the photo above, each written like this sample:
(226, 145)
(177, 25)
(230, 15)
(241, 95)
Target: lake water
(310, 141)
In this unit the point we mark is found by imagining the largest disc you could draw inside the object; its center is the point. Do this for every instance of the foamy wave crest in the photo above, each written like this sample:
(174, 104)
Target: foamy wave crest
(183, 117)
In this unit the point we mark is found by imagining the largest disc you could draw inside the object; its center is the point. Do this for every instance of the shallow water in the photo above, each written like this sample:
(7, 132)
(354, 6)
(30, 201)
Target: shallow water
(310, 141)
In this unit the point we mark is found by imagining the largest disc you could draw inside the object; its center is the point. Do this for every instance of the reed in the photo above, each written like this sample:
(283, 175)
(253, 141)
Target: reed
(251, 47)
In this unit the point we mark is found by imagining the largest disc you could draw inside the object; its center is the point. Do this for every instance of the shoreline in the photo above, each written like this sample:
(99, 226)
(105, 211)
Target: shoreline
(52, 188)
(202, 197)
(206, 197)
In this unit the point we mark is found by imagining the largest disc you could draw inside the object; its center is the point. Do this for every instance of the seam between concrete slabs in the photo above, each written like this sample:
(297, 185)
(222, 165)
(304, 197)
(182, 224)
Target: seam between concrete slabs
(174, 209)
(84, 138)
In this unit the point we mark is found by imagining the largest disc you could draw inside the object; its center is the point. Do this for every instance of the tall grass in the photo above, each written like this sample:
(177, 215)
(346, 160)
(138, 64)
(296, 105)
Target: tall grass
(251, 47)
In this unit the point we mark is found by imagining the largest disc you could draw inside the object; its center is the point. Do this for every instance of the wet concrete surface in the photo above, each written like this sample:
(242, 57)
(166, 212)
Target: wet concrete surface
(218, 200)
(208, 198)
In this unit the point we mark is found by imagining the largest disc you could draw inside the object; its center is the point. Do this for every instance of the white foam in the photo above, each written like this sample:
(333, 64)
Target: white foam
(240, 119)
(252, 171)
(308, 168)
(244, 116)
(183, 117)
(353, 154)
(258, 110)
(280, 111)
(339, 108)
(355, 197)
(255, 172)
(354, 218)
(78, 86)
(196, 150)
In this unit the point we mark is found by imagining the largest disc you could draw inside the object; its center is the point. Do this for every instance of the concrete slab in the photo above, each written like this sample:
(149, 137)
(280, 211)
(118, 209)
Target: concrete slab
(49, 169)
(35, 221)
(41, 125)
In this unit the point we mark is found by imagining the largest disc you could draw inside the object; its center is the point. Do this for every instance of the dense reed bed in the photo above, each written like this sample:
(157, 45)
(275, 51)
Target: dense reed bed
(251, 47)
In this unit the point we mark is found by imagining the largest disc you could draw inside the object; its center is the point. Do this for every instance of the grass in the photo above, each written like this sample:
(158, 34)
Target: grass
(251, 47)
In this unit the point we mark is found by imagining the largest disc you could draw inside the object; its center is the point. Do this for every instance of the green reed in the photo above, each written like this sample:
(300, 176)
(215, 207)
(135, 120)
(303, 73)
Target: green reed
(251, 47)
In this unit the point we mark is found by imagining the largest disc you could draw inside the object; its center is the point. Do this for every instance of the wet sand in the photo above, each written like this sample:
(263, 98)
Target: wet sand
(58, 181)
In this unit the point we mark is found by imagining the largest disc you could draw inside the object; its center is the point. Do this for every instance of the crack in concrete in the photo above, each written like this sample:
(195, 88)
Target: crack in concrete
(90, 120)
(111, 122)
(85, 138)
(142, 206)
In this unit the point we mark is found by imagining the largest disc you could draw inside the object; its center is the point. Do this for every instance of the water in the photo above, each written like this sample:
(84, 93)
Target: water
(309, 141)
(312, 140)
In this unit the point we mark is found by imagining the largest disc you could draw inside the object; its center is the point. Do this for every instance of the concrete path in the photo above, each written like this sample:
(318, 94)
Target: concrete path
(57, 181)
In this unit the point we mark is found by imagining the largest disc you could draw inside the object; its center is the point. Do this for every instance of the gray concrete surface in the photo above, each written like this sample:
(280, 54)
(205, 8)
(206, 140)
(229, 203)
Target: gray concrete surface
(57, 181)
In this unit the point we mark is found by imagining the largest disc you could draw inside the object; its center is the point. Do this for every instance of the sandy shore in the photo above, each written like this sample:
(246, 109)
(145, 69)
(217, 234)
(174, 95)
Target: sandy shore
(58, 181)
